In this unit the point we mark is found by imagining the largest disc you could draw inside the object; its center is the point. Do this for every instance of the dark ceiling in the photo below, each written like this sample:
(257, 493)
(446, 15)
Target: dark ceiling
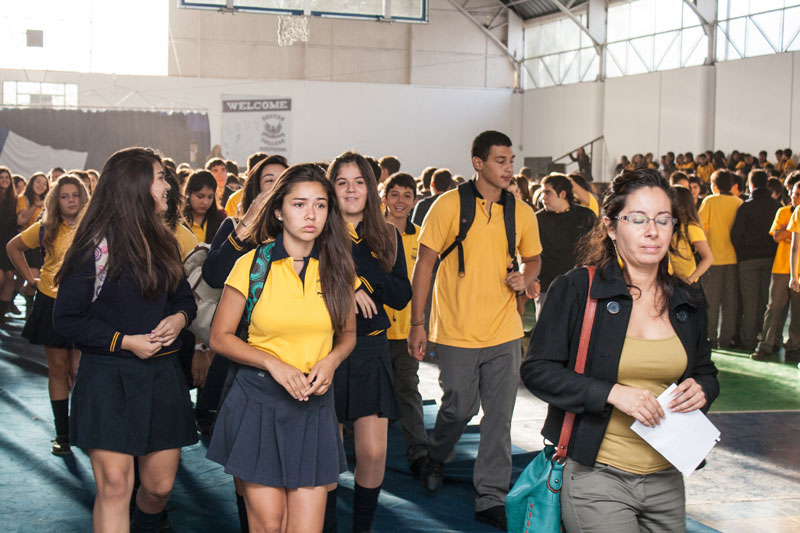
(528, 9)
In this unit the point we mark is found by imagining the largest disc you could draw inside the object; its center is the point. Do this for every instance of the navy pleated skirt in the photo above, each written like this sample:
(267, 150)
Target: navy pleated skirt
(263, 435)
(39, 325)
(131, 405)
(363, 383)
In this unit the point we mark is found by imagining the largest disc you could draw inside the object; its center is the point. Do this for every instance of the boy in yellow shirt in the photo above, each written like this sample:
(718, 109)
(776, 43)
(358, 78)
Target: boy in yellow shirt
(717, 214)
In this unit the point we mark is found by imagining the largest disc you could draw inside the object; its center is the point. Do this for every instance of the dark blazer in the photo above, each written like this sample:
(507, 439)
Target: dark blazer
(547, 370)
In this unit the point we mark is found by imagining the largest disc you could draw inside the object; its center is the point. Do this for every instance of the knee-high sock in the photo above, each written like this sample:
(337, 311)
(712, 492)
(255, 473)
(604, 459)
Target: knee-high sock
(241, 508)
(145, 522)
(330, 513)
(364, 503)
(61, 415)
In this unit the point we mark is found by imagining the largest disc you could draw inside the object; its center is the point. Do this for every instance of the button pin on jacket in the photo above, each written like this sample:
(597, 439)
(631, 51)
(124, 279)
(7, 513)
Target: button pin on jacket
(612, 307)
(682, 316)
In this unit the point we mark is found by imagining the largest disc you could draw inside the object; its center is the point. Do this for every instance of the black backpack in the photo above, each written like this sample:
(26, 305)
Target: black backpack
(466, 196)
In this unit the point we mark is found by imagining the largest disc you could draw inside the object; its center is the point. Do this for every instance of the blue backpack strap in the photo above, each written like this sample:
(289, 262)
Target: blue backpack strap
(259, 271)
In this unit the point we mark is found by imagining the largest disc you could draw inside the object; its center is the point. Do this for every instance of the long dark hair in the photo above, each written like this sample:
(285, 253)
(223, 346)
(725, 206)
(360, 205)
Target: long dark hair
(598, 247)
(173, 216)
(29, 194)
(252, 185)
(336, 270)
(52, 218)
(380, 235)
(9, 195)
(214, 216)
(122, 210)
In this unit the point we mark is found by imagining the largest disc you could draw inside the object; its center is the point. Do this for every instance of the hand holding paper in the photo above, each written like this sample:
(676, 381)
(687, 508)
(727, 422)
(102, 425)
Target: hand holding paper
(683, 438)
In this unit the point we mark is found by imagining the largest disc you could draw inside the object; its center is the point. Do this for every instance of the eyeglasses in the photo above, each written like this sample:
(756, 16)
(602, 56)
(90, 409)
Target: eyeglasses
(640, 220)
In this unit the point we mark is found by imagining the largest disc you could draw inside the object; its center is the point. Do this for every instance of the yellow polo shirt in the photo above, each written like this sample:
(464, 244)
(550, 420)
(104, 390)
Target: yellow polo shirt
(683, 262)
(199, 231)
(794, 227)
(290, 319)
(53, 257)
(232, 205)
(717, 213)
(22, 205)
(704, 172)
(401, 320)
(478, 310)
(187, 241)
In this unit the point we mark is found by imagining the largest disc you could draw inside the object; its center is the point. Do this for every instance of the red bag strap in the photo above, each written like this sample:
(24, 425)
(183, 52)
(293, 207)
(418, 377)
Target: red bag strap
(580, 365)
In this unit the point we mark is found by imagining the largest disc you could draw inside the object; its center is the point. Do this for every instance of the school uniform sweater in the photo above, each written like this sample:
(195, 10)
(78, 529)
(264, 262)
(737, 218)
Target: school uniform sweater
(225, 250)
(385, 288)
(121, 309)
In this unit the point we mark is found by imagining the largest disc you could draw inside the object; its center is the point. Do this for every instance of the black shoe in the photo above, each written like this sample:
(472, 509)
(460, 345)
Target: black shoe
(61, 445)
(494, 516)
(13, 309)
(432, 474)
(417, 465)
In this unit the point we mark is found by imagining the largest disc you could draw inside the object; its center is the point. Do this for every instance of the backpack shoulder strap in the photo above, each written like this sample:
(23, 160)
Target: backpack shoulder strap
(259, 271)
(509, 219)
(466, 215)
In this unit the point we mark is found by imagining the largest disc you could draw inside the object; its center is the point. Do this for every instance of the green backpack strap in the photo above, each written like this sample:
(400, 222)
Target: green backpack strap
(259, 271)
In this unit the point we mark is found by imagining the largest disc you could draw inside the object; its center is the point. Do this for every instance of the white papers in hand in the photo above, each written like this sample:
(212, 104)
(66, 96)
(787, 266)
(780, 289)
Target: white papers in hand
(683, 439)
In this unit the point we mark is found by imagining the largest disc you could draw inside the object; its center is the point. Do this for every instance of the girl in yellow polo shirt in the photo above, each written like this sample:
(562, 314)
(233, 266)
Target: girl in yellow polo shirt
(689, 234)
(277, 430)
(54, 234)
(201, 212)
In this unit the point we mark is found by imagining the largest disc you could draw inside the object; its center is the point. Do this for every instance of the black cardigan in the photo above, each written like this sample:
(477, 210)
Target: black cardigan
(547, 370)
(390, 288)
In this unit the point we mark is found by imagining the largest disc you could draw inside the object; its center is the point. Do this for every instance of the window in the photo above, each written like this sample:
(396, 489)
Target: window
(28, 93)
(558, 53)
(748, 28)
(651, 35)
(112, 36)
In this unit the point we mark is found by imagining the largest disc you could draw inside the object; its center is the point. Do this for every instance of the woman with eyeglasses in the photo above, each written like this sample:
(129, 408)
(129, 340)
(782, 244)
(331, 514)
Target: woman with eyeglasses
(649, 331)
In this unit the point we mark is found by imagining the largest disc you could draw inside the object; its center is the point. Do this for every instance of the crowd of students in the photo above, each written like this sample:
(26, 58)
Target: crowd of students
(328, 303)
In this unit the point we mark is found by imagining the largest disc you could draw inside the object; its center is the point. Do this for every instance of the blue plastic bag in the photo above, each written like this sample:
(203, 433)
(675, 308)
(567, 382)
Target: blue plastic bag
(534, 504)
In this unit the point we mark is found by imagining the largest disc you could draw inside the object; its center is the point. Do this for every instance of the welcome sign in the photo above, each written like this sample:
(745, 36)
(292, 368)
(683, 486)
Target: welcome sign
(254, 124)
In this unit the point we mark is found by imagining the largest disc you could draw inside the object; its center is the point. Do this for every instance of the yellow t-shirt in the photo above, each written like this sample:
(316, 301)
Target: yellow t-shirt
(53, 256)
(704, 172)
(652, 364)
(478, 310)
(401, 320)
(788, 165)
(794, 227)
(686, 166)
(22, 205)
(232, 205)
(290, 319)
(187, 241)
(683, 263)
(717, 213)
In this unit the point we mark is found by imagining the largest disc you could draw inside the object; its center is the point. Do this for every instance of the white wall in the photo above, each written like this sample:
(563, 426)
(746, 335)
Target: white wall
(659, 112)
(748, 105)
(450, 50)
(754, 103)
(422, 126)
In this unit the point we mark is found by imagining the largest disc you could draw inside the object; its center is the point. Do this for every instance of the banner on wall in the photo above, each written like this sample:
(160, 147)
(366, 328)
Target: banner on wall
(23, 156)
(255, 124)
